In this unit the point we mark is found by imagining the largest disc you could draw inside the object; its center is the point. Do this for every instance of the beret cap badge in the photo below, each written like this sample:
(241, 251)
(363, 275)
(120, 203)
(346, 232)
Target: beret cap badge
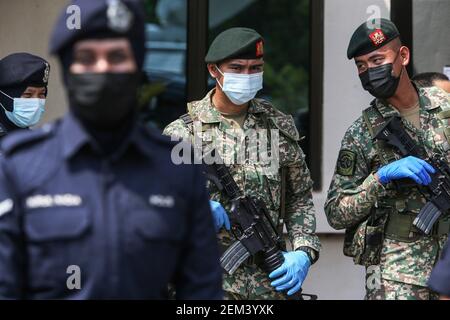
(377, 37)
(260, 49)
(46, 72)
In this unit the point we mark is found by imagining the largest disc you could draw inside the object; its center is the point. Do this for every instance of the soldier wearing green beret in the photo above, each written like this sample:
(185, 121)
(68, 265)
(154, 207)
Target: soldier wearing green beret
(376, 192)
(228, 115)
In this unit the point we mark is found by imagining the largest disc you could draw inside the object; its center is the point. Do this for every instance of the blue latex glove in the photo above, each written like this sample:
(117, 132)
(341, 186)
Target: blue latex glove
(293, 271)
(219, 215)
(409, 167)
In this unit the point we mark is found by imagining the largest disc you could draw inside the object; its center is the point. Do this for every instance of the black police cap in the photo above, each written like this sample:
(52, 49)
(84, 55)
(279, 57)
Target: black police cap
(23, 70)
(370, 36)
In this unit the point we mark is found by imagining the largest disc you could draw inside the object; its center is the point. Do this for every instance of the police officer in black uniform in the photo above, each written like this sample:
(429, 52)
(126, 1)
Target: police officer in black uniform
(23, 91)
(92, 207)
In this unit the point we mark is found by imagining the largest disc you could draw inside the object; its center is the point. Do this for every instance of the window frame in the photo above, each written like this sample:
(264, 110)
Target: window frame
(402, 17)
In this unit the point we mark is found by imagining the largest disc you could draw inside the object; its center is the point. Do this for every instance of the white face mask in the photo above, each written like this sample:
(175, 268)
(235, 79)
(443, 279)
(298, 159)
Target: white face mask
(241, 88)
(26, 111)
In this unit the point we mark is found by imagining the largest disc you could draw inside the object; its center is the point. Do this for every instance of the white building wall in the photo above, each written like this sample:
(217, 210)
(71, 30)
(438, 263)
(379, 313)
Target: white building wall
(335, 276)
(431, 29)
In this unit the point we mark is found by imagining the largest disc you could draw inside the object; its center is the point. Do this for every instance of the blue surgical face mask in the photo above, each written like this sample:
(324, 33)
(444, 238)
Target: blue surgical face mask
(26, 111)
(240, 88)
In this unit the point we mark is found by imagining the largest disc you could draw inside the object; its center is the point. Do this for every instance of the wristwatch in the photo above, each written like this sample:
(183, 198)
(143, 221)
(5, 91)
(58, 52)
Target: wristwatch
(313, 255)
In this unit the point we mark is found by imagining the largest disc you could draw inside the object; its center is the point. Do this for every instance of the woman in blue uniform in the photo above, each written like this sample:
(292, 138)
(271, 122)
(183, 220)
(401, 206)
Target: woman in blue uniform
(23, 90)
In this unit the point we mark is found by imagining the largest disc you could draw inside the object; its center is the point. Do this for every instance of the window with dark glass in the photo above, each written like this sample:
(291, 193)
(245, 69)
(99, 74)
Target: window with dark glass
(180, 31)
(284, 25)
(165, 63)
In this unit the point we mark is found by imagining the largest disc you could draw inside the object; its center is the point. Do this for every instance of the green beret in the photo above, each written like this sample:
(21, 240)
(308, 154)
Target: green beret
(236, 43)
(367, 38)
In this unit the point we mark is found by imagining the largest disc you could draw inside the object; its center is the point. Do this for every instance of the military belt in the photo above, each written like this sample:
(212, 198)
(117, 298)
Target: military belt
(399, 226)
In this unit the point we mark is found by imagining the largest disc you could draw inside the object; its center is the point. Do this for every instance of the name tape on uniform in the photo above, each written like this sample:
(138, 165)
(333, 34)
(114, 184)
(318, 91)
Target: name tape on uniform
(57, 200)
(162, 201)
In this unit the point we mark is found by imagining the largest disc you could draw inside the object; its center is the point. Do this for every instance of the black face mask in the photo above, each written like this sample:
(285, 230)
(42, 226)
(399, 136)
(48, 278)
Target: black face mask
(103, 100)
(380, 82)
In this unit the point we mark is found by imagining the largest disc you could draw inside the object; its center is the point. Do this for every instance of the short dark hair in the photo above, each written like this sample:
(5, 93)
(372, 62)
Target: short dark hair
(427, 79)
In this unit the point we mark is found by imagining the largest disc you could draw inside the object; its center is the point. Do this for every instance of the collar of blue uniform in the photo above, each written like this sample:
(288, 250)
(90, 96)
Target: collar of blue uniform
(75, 137)
(211, 115)
(426, 103)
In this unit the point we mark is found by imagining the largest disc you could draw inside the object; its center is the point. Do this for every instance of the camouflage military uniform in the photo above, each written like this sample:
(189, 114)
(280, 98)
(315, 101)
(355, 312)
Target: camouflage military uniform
(404, 264)
(250, 281)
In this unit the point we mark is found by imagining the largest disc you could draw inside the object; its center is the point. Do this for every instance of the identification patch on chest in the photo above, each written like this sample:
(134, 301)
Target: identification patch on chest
(163, 201)
(53, 200)
(346, 163)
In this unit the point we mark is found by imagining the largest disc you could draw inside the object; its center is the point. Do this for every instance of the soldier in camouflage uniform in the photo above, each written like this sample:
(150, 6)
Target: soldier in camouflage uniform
(363, 197)
(229, 115)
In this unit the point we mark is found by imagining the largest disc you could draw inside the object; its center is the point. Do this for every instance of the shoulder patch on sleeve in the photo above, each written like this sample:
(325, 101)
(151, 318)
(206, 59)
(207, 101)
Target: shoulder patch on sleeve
(346, 163)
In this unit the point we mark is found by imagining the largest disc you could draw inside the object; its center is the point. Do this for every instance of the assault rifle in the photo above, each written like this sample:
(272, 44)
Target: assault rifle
(394, 134)
(251, 225)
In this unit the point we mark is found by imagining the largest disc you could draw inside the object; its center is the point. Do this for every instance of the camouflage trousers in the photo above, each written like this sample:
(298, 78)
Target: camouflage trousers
(395, 290)
(265, 296)
(250, 282)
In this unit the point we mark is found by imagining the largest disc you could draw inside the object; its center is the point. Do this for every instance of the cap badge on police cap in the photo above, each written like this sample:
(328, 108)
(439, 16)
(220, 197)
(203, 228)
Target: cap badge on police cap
(46, 72)
(119, 16)
(260, 49)
(377, 37)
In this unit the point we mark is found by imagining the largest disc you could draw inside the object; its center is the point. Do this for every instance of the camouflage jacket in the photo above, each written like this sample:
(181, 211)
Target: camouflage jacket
(256, 179)
(354, 191)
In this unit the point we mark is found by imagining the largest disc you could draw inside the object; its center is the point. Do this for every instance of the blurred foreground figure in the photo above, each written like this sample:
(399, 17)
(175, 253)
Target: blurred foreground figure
(92, 207)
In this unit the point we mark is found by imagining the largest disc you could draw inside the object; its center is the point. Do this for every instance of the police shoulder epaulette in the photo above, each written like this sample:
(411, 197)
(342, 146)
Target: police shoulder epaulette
(23, 138)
